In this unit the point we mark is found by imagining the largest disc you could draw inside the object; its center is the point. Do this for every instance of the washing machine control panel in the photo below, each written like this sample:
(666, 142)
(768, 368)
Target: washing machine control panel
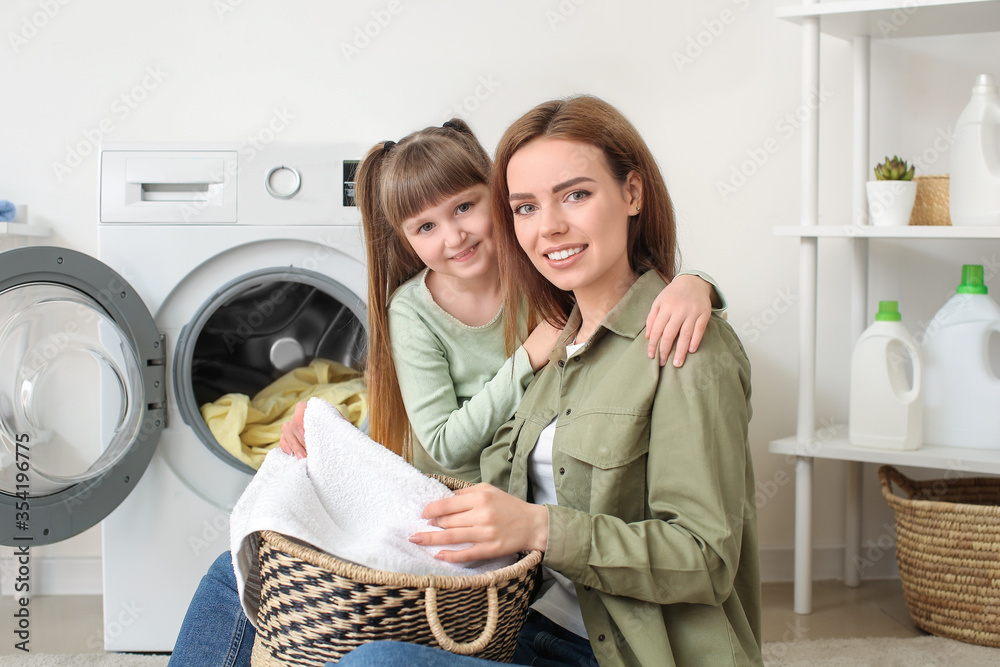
(350, 173)
(283, 184)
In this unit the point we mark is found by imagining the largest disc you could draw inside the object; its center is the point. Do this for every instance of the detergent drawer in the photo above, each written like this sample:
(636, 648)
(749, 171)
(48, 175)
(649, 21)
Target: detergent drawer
(168, 186)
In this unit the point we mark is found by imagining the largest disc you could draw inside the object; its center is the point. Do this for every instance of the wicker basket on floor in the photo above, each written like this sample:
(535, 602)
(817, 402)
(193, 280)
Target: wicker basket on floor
(314, 608)
(948, 550)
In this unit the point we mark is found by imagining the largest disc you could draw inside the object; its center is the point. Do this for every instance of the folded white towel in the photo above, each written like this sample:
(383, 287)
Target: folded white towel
(350, 497)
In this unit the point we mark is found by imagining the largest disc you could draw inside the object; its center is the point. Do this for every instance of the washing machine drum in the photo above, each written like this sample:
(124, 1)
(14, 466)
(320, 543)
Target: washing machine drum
(256, 329)
(79, 395)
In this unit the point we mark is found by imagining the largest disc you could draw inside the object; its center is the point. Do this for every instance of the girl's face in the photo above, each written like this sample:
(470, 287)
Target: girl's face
(455, 237)
(571, 215)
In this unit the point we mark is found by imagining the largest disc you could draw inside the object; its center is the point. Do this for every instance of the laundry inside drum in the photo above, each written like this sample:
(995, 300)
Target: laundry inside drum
(267, 346)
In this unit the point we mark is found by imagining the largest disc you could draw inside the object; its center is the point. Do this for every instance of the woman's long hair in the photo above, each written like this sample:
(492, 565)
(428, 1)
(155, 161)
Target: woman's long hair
(652, 240)
(396, 181)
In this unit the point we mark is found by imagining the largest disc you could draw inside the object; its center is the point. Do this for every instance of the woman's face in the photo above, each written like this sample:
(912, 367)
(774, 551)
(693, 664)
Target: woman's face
(571, 215)
(455, 237)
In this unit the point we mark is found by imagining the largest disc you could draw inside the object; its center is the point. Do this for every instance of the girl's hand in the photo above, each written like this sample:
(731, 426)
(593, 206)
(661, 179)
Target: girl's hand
(681, 311)
(539, 344)
(495, 522)
(293, 433)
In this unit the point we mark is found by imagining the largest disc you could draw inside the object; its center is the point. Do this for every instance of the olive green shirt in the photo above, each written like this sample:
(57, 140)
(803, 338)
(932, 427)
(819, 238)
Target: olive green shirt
(656, 520)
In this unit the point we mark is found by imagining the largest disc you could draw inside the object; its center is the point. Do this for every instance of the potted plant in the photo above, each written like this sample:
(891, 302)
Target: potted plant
(891, 195)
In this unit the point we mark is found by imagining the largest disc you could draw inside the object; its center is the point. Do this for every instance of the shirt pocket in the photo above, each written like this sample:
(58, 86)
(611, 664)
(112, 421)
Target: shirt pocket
(606, 462)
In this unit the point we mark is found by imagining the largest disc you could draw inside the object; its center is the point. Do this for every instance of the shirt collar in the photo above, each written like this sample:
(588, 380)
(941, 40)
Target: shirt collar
(627, 318)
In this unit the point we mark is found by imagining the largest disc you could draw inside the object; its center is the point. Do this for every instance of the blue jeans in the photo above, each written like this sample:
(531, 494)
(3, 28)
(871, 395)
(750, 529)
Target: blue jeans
(541, 643)
(216, 632)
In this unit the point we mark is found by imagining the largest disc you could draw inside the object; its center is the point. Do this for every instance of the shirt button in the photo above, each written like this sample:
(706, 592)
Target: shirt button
(586, 588)
(562, 471)
(569, 410)
(600, 638)
(561, 363)
(576, 358)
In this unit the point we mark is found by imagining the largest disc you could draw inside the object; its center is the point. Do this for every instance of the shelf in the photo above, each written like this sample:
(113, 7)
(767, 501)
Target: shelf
(894, 19)
(836, 446)
(22, 229)
(907, 232)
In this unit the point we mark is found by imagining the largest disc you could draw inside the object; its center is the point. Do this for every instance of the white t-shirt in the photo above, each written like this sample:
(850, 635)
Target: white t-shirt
(559, 603)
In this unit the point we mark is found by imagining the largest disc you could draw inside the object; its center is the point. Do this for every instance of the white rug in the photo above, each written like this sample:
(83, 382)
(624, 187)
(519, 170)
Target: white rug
(875, 652)
(84, 660)
(879, 652)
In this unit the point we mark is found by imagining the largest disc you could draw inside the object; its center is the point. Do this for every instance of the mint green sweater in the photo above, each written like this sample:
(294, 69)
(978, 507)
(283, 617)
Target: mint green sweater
(458, 386)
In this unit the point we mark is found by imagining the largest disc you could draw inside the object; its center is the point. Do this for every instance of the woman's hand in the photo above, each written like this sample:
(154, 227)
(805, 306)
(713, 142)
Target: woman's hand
(539, 344)
(293, 433)
(495, 522)
(681, 311)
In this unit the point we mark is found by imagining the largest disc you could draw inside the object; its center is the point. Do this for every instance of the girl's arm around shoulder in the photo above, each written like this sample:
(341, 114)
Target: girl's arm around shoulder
(680, 314)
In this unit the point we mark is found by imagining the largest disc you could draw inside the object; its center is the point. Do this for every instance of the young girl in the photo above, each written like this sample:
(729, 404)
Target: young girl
(438, 366)
(640, 476)
(436, 354)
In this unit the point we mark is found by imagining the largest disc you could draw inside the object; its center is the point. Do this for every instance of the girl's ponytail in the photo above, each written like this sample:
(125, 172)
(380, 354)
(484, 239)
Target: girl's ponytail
(390, 263)
(397, 181)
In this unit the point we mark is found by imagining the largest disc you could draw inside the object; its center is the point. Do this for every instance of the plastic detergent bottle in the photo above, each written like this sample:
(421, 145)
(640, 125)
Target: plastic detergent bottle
(974, 182)
(885, 411)
(961, 391)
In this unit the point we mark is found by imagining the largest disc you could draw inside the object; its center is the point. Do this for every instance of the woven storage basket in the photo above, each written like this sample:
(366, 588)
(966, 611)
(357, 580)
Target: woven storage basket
(314, 608)
(931, 204)
(948, 550)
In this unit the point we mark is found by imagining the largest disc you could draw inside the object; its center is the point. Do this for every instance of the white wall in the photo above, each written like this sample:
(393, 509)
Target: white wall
(709, 84)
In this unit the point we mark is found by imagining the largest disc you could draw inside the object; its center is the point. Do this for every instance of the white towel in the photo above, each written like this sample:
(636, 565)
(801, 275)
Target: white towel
(350, 497)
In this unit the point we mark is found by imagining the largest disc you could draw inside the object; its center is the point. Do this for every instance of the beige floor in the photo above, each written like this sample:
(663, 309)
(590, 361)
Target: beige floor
(72, 624)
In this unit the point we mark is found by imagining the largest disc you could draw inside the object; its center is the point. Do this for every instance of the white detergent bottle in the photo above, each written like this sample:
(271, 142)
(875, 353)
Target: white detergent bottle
(974, 181)
(961, 391)
(885, 410)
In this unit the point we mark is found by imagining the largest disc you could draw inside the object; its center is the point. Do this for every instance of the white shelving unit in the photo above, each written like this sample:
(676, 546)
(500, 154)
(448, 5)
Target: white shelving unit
(20, 227)
(836, 446)
(858, 21)
(23, 229)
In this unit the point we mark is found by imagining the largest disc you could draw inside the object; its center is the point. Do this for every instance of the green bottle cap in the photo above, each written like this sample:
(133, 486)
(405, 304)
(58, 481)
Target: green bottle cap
(972, 280)
(888, 311)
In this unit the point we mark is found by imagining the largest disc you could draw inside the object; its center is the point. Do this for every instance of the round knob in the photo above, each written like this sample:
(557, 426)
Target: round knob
(283, 182)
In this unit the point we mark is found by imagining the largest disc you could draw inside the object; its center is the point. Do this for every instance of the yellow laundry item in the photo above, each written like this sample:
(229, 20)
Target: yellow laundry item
(250, 428)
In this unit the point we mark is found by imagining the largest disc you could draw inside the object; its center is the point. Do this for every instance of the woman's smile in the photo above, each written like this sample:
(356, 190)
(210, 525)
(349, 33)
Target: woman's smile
(562, 256)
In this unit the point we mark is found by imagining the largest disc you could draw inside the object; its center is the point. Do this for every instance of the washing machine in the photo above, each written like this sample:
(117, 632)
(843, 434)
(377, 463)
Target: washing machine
(220, 268)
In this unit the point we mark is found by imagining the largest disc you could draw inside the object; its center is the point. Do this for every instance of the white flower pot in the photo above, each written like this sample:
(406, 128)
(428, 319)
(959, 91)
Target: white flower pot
(890, 203)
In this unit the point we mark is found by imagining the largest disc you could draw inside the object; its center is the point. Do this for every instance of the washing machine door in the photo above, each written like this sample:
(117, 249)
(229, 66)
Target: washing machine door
(82, 393)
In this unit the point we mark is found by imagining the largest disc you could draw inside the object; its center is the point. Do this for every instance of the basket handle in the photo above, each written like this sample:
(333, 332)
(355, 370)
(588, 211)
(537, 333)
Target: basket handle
(887, 475)
(446, 642)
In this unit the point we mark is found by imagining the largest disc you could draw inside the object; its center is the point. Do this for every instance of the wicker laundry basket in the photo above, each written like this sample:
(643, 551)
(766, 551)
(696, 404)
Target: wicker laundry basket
(314, 608)
(948, 550)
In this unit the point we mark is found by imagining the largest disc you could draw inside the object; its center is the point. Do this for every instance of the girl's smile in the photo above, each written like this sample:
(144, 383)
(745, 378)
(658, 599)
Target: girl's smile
(466, 254)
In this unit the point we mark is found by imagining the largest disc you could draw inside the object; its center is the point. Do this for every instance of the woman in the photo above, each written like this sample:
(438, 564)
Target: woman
(640, 476)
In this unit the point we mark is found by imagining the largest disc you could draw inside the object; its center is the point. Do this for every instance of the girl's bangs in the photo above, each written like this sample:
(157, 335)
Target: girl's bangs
(423, 175)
